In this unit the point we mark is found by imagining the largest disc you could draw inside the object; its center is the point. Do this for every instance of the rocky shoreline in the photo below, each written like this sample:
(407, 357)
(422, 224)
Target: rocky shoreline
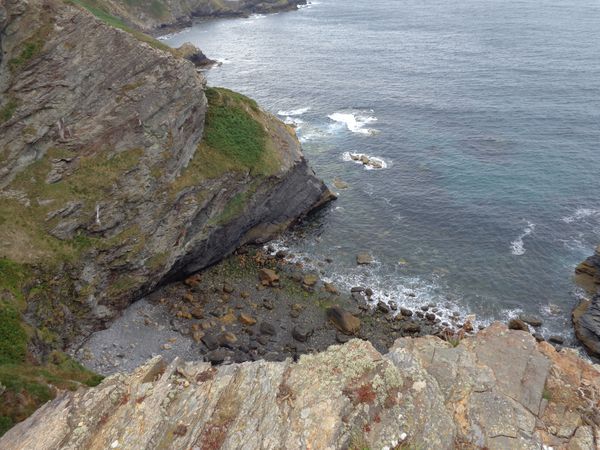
(260, 304)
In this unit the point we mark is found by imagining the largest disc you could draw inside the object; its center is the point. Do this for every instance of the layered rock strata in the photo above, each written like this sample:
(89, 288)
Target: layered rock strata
(116, 173)
(497, 390)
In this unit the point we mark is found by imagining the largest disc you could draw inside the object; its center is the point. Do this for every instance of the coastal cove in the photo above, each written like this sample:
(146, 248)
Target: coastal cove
(337, 225)
(486, 119)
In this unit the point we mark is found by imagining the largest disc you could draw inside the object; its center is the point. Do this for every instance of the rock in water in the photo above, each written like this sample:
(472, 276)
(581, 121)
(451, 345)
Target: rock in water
(531, 320)
(343, 320)
(588, 272)
(514, 393)
(586, 320)
(364, 258)
(517, 324)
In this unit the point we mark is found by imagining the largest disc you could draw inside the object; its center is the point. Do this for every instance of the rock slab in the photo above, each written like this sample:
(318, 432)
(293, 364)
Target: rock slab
(497, 390)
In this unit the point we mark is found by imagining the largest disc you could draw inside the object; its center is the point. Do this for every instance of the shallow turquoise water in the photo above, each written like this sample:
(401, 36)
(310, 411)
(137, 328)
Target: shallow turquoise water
(487, 115)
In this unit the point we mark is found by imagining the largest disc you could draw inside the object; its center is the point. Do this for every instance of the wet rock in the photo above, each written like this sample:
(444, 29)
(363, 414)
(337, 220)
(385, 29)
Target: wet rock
(246, 319)
(406, 312)
(425, 308)
(267, 329)
(538, 337)
(329, 287)
(217, 356)
(411, 327)
(357, 289)
(340, 184)
(342, 338)
(517, 324)
(586, 321)
(210, 341)
(262, 340)
(301, 333)
(281, 254)
(268, 277)
(343, 320)
(364, 258)
(310, 280)
(555, 339)
(430, 316)
(369, 292)
(531, 320)
(393, 306)
(382, 307)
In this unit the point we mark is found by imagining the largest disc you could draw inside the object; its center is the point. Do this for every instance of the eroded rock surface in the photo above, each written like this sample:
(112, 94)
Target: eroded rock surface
(586, 316)
(107, 186)
(497, 390)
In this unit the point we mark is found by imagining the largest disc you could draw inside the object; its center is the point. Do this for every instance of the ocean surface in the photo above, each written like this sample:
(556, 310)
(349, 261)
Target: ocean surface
(486, 115)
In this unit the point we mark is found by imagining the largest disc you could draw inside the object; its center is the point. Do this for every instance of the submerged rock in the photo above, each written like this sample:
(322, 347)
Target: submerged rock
(364, 258)
(499, 389)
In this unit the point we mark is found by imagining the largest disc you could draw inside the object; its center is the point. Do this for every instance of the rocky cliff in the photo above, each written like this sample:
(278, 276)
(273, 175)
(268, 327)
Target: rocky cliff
(154, 15)
(497, 390)
(120, 170)
(586, 316)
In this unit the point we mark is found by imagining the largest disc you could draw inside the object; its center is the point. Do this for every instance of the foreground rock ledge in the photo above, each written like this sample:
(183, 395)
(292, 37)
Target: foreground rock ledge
(498, 390)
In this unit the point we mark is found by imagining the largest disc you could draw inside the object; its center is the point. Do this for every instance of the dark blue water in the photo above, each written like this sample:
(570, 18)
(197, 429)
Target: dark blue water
(487, 115)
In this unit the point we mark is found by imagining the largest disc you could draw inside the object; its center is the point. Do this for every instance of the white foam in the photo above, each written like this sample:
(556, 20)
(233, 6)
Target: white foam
(517, 247)
(581, 213)
(293, 112)
(166, 37)
(347, 156)
(355, 122)
(293, 121)
(222, 61)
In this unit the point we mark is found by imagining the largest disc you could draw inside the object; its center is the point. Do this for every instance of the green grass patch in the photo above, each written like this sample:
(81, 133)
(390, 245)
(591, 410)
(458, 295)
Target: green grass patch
(13, 337)
(231, 129)
(234, 140)
(8, 110)
(99, 10)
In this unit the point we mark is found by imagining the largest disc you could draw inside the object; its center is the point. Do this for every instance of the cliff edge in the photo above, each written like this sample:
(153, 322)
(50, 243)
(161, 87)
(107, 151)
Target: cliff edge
(497, 390)
(119, 170)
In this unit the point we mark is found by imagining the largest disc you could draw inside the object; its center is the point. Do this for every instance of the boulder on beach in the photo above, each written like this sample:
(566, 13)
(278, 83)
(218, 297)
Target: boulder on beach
(343, 320)
(268, 277)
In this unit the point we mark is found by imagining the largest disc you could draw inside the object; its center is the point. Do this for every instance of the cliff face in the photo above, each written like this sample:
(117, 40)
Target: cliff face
(115, 171)
(586, 316)
(497, 390)
(152, 15)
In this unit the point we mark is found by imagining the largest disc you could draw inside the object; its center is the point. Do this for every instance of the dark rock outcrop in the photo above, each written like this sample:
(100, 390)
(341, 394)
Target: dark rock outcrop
(588, 272)
(586, 320)
(586, 316)
(107, 187)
